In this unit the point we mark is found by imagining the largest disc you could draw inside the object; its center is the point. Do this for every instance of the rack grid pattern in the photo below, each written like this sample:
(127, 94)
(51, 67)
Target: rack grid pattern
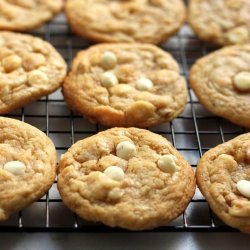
(192, 133)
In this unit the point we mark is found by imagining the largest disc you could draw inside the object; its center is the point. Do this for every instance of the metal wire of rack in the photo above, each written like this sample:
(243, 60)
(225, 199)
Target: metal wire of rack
(192, 133)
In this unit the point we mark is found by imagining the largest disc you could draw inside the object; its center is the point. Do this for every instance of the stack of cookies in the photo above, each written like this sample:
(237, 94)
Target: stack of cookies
(125, 176)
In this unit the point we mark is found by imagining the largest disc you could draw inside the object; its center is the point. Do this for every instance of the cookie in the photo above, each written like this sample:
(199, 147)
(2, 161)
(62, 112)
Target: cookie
(144, 21)
(29, 69)
(129, 178)
(223, 176)
(125, 85)
(25, 15)
(27, 165)
(221, 81)
(222, 22)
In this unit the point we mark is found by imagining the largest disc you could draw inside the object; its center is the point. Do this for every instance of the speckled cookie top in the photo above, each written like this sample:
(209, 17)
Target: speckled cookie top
(146, 21)
(23, 15)
(131, 178)
(221, 81)
(27, 165)
(223, 176)
(126, 85)
(221, 21)
(29, 69)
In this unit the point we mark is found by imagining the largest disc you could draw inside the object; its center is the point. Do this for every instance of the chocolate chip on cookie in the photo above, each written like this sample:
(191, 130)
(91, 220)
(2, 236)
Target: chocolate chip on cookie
(223, 177)
(129, 178)
(146, 21)
(29, 69)
(221, 21)
(25, 15)
(125, 85)
(221, 81)
(27, 165)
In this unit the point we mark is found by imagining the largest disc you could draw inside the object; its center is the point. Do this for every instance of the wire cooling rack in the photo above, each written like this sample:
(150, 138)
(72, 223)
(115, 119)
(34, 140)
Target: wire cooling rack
(192, 133)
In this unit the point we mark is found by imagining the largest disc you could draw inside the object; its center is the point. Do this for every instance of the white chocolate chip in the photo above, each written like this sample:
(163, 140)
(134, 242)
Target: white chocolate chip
(144, 84)
(115, 173)
(109, 80)
(15, 167)
(39, 165)
(37, 77)
(109, 60)
(125, 150)
(115, 194)
(242, 81)
(238, 35)
(11, 63)
(167, 163)
(243, 187)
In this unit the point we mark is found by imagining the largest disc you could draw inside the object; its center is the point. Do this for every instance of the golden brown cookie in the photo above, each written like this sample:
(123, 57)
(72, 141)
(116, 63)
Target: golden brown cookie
(24, 15)
(29, 69)
(220, 21)
(125, 85)
(221, 81)
(129, 178)
(145, 21)
(223, 176)
(27, 165)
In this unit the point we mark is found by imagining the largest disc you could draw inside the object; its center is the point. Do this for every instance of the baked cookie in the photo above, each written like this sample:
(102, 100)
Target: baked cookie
(223, 176)
(125, 85)
(27, 165)
(129, 178)
(25, 15)
(220, 21)
(29, 69)
(221, 81)
(145, 21)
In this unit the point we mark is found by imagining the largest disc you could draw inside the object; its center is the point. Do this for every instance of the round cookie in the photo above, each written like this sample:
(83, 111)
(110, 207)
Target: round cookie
(129, 178)
(220, 21)
(29, 69)
(221, 81)
(27, 165)
(144, 21)
(125, 85)
(223, 176)
(25, 15)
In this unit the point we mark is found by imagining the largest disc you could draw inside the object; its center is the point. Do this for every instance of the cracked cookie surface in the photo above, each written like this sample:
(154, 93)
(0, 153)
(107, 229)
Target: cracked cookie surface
(125, 85)
(219, 173)
(220, 21)
(146, 21)
(153, 186)
(27, 165)
(25, 15)
(221, 81)
(29, 69)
